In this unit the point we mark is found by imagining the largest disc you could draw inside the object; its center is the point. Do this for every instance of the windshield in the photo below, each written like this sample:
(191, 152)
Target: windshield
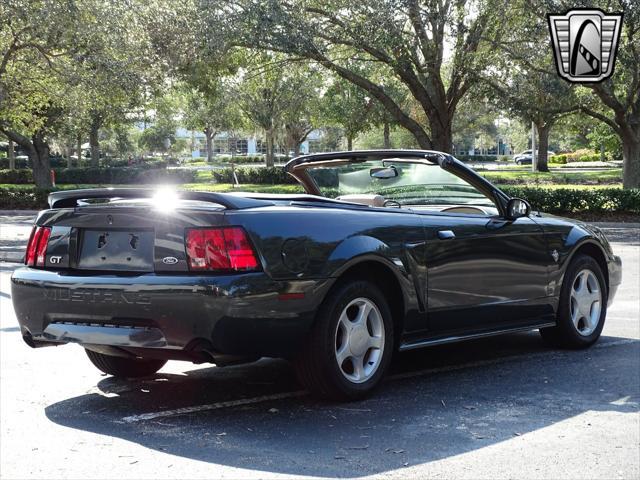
(415, 183)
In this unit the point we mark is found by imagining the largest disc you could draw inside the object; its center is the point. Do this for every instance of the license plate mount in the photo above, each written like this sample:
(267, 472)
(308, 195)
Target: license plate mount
(119, 250)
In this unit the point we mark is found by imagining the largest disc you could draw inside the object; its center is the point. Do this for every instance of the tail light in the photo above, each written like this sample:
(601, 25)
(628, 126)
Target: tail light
(220, 249)
(37, 246)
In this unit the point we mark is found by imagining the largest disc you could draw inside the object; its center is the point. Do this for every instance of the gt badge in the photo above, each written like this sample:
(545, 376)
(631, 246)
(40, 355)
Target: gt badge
(555, 255)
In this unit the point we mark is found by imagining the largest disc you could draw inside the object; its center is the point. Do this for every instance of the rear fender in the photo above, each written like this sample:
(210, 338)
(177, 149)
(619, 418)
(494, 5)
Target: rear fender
(361, 248)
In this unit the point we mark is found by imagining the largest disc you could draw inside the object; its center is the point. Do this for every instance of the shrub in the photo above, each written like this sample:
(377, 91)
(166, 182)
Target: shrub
(478, 158)
(25, 198)
(568, 200)
(20, 163)
(262, 175)
(575, 156)
(16, 176)
(124, 175)
(590, 158)
(559, 159)
(561, 200)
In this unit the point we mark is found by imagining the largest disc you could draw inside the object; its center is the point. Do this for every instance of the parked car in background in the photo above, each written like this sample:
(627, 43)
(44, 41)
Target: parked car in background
(525, 157)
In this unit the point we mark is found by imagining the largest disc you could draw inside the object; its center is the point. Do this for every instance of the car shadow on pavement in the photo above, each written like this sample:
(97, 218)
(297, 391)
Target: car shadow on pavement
(437, 403)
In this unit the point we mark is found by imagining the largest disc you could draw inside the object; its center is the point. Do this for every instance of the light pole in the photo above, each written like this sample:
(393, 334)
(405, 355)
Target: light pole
(534, 157)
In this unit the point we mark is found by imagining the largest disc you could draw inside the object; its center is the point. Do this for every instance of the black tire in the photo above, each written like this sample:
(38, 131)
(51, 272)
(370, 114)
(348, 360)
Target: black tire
(565, 334)
(124, 367)
(316, 365)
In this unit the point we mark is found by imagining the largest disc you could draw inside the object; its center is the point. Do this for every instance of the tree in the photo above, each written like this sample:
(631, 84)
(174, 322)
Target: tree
(268, 94)
(538, 98)
(615, 101)
(620, 94)
(66, 60)
(405, 38)
(36, 39)
(301, 115)
(212, 109)
(476, 117)
(527, 81)
(161, 133)
(346, 105)
(117, 72)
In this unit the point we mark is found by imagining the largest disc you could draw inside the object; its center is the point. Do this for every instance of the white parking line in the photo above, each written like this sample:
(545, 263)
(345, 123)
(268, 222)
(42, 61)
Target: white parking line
(212, 406)
(399, 376)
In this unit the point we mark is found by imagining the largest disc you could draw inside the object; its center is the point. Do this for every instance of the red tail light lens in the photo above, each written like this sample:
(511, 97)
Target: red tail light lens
(41, 250)
(37, 246)
(220, 249)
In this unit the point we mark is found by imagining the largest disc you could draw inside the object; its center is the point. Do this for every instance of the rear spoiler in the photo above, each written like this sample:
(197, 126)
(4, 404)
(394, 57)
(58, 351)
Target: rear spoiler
(70, 198)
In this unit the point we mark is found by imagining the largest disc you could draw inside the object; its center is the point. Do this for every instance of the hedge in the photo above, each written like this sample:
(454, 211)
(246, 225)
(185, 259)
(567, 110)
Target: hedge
(61, 163)
(260, 175)
(108, 175)
(560, 159)
(239, 159)
(561, 200)
(20, 163)
(26, 198)
(568, 200)
(482, 158)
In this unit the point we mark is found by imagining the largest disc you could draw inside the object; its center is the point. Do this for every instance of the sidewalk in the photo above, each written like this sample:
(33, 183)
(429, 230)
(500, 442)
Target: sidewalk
(15, 228)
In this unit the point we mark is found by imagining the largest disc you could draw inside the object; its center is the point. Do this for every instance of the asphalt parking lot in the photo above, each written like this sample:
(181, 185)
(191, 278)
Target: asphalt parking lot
(506, 407)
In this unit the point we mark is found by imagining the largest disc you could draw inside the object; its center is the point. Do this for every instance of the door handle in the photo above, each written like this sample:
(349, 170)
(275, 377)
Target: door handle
(446, 235)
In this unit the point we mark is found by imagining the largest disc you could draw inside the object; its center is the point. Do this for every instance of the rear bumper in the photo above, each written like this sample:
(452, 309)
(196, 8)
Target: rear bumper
(242, 314)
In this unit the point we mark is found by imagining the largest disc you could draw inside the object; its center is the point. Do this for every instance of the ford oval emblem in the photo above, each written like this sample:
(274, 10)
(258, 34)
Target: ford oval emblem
(169, 260)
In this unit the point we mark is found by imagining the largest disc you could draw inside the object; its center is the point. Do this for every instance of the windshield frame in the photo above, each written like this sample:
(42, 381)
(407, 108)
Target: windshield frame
(299, 168)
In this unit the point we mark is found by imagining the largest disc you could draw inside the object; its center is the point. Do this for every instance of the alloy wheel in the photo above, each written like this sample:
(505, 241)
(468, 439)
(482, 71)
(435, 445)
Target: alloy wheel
(359, 340)
(586, 302)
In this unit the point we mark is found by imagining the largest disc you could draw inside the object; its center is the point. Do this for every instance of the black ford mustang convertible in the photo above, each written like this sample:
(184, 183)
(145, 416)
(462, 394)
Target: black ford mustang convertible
(386, 251)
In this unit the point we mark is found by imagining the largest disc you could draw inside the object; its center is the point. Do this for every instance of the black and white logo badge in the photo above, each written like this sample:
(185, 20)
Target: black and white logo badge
(585, 43)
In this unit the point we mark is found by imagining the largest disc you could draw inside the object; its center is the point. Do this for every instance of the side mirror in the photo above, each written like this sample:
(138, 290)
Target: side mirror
(517, 207)
(383, 173)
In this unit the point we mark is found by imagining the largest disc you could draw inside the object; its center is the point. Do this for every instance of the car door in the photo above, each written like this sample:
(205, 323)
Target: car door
(484, 273)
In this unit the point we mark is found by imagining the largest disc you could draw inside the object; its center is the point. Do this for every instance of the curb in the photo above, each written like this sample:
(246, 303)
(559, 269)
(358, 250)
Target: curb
(11, 257)
(18, 212)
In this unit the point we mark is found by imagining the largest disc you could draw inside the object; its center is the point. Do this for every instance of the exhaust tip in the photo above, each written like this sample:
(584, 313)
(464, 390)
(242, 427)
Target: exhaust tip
(28, 339)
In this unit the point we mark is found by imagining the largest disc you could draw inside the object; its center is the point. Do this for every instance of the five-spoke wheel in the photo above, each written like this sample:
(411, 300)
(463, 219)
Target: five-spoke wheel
(350, 345)
(359, 340)
(583, 305)
(585, 302)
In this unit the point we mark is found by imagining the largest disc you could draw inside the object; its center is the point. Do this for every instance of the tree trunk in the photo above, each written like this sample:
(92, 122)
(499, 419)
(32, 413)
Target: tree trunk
(79, 151)
(270, 148)
(39, 156)
(94, 140)
(631, 161)
(296, 149)
(386, 135)
(69, 150)
(441, 136)
(38, 152)
(349, 142)
(208, 138)
(11, 153)
(543, 145)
